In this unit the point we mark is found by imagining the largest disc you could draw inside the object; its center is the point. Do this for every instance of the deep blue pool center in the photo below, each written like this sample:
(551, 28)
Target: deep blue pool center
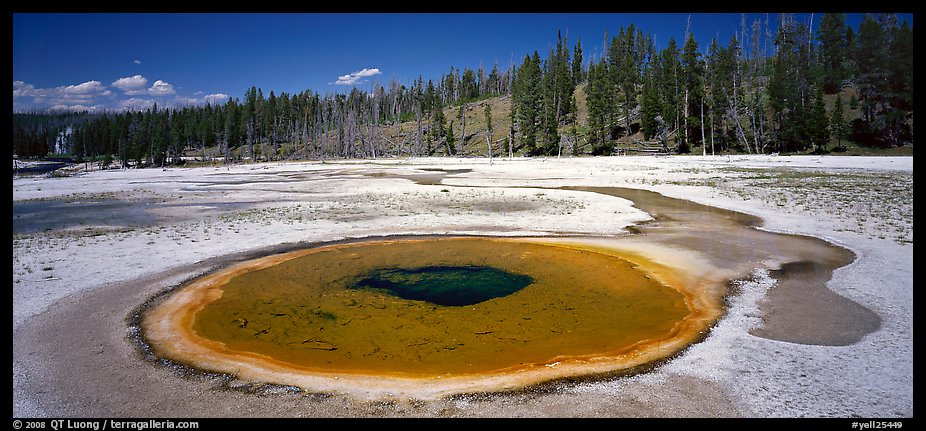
(445, 285)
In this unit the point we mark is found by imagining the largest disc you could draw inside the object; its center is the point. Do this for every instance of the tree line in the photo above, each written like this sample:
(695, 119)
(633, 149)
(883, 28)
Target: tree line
(265, 127)
(757, 93)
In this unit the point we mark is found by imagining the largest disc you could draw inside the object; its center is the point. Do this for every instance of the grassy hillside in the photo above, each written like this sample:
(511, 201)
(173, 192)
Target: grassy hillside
(474, 142)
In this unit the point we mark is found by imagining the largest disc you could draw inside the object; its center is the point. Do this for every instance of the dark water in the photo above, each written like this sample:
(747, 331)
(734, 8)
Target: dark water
(446, 285)
(50, 215)
(37, 216)
(38, 169)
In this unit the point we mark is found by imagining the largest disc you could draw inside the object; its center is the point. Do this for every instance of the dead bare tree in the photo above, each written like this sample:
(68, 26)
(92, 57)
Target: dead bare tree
(418, 138)
(463, 125)
(703, 141)
(488, 117)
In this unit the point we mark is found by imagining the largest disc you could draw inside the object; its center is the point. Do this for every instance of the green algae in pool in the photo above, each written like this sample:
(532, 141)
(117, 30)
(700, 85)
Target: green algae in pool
(445, 285)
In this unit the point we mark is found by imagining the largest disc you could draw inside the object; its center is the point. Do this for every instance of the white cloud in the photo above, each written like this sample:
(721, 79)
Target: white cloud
(135, 104)
(216, 98)
(186, 101)
(137, 62)
(93, 96)
(22, 89)
(161, 88)
(69, 95)
(77, 108)
(353, 78)
(89, 87)
(132, 85)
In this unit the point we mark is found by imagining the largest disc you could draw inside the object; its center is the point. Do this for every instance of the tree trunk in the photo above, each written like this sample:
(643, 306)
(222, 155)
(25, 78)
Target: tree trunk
(418, 138)
(755, 133)
(703, 141)
(761, 128)
(489, 144)
(462, 125)
(250, 139)
(398, 122)
(305, 133)
(511, 140)
(559, 143)
(736, 116)
(686, 119)
(372, 126)
(273, 138)
(742, 134)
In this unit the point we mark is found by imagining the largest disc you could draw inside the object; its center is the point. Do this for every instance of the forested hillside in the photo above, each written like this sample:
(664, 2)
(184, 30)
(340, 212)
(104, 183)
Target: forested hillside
(764, 90)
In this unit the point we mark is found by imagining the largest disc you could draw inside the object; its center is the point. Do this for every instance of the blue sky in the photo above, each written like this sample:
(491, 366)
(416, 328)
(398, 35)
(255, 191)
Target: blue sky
(116, 61)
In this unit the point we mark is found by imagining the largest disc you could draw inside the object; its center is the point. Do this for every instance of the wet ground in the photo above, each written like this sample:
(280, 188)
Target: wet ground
(799, 308)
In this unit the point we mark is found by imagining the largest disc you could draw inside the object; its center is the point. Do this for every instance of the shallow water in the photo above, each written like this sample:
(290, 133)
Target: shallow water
(799, 308)
(55, 214)
(37, 216)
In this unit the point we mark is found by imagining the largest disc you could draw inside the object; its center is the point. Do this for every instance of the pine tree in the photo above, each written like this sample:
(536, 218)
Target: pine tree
(549, 106)
(649, 105)
(598, 91)
(833, 50)
(870, 59)
(851, 48)
(176, 135)
(270, 121)
(787, 96)
(630, 77)
(468, 87)
(564, 86)
(530, 98)
(837, 125)
(899, 85)
(624, 73)
(692, 71)
(670, 84)
(249, 118)
(818, 123)
(438, 126)
(577, 72)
